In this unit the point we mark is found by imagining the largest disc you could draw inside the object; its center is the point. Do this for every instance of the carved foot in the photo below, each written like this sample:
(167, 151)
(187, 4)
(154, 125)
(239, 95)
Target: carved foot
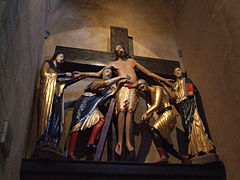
(129, 146)
(118, 149)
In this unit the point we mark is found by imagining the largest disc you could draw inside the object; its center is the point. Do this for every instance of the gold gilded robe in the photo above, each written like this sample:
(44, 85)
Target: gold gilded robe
(199, 140)
(159, 104)
(48, 79)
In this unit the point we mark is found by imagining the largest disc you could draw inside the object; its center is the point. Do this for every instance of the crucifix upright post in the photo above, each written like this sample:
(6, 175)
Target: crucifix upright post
(119, 36)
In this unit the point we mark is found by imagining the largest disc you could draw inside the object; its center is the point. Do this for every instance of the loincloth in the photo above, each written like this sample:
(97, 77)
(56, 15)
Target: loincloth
(165, 124)
(126, 99)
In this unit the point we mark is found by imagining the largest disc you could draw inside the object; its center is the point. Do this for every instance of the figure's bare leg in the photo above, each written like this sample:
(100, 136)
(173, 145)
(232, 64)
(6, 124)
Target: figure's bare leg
(121, 122)
(128, 130)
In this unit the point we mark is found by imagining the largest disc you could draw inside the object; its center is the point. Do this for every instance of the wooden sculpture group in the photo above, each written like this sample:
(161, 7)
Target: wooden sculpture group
(166, 98)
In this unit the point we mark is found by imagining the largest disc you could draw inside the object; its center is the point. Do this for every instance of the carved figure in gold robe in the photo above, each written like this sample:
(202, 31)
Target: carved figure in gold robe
(127, 97)
(50, 101)
(157, 102)
(189, 106)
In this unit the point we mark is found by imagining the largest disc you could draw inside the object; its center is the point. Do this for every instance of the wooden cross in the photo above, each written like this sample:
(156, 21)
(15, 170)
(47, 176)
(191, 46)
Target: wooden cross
(92, 61)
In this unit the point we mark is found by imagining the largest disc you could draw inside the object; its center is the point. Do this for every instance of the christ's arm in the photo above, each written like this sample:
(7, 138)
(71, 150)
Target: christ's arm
(170, 92)
(151, 74)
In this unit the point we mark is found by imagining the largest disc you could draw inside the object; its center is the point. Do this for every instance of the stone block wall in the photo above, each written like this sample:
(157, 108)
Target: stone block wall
(23, 25)
(86, 24)
(208, 32)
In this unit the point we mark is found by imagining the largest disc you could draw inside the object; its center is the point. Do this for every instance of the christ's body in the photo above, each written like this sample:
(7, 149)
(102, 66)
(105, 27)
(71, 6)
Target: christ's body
(126, 97)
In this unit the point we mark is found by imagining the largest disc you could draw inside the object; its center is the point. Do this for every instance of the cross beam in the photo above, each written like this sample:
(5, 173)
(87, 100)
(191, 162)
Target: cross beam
(79, 59)
(95, 60)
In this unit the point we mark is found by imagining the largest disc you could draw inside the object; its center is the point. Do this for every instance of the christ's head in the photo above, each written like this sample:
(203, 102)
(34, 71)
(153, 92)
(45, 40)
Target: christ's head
(121, 52)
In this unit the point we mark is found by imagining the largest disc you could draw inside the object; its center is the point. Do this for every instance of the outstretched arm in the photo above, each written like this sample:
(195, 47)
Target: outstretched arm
(87, 74)
(105, 83)
(151, 74)
(170, 92)
(91, 74)
(111, 81)
(157, 102)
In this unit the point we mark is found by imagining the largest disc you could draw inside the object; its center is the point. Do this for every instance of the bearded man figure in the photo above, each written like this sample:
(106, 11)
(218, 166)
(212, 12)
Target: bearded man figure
(158, 102)
(86, 112)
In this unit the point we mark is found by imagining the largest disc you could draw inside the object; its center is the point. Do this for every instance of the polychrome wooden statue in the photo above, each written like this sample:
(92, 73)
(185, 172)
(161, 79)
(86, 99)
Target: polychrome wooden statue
(86, 112)
(126, 97)
(196, 139)
(157, 102)
(52, 84)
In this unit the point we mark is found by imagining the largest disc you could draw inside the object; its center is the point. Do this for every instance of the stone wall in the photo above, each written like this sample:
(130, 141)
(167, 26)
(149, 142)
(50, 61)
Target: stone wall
(2, 39)
(208, 32)
(22, 36)
(86, 24)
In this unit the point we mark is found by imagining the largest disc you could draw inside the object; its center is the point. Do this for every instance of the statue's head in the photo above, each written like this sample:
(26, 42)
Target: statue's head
(178, 73)
(142, 85)
(107, 73)
(121, 52)
(59, 57)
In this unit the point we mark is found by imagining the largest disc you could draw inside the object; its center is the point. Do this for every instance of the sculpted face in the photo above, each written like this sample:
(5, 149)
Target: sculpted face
(107, 74)
(60, 58)
(142, 87)
(177, 72)
(119, 50)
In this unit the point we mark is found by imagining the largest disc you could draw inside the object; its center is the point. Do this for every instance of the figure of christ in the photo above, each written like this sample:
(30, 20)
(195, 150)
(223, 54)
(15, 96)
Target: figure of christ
(86, 112)
(196, 139)
(126, 97)
(157, 102)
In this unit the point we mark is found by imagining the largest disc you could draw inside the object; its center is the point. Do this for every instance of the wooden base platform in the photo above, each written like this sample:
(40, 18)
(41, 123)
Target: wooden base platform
(75, 170)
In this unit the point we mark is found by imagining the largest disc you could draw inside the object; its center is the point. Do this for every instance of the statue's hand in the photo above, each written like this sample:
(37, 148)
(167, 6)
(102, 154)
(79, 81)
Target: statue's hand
(78, 74)
(68, 74)
(124, 79)
(169, 81)
(144, 117)
(164, 82)
(126, 76)
(189, 94)
(161, 83)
